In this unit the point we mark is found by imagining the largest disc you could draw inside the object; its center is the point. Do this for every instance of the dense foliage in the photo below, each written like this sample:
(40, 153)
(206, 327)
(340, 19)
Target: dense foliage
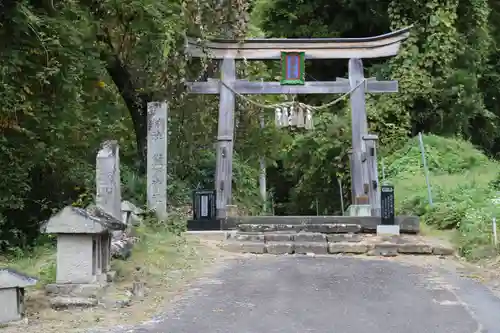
(76, 72)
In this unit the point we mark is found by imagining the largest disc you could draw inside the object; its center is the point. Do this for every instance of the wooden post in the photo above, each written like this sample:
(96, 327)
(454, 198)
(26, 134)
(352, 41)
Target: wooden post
(225, 136)
(353, 197)
(372, 166)
(262, 174)
(358, 119)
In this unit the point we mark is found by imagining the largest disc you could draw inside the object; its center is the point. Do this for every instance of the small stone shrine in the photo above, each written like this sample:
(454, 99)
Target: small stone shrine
(83, 255)
(131, 214)
(12, 286)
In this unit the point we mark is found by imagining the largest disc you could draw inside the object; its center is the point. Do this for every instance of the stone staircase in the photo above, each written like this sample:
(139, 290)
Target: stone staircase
(326, 238)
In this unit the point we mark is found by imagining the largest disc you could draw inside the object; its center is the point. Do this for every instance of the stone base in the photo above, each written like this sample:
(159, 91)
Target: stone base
(359, 210)
(280, 247)
(325, 228)
(388, 230)
(311, 247)
(384, 250)
(15, 322)
(199, 225)
(64, 296)
(307, 242)
(65, 302)
(347, 248)
(367, 224)
(74, 289)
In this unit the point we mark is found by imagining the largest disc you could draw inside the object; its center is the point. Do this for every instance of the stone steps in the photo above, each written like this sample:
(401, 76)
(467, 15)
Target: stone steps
(325, 228)
(318, 243)
(407, 224)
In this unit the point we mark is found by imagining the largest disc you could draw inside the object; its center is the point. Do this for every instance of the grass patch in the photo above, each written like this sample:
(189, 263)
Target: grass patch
(39, 263)
(463, 190)
(158, 253)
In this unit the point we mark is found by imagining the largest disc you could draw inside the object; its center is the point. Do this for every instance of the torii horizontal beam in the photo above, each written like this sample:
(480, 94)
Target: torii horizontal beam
(244, 87)
(315, 48)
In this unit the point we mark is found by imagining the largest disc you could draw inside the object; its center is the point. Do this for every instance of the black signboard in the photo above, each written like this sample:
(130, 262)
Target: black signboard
(387, 204)
(204, 205)
(204, 212)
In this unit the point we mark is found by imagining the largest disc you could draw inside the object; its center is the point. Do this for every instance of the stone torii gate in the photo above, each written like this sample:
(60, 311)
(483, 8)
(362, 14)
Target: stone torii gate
(364, 172)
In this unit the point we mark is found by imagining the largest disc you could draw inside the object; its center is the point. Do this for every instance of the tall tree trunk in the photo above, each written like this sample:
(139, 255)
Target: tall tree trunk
(137, 105)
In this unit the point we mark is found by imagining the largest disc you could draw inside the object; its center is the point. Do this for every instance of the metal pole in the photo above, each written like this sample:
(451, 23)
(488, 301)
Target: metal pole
(495, 239)
(426, 170)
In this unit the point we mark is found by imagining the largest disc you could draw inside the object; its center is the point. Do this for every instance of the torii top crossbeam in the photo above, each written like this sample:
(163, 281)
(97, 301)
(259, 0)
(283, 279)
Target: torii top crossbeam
(317, 48)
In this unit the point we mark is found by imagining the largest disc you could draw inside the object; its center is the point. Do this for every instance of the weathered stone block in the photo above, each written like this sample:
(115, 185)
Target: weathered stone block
(389, 230)
(249, 236)
(442, 250)
(384, 249)
(359, 210)
(394, 239)
(256, 227)
(311, 247)
(64, 302)
(415, 248)
(279, 237)
(352, 248)
(244, 247)
(279, 248)
(310, 237)
(408, 224)
(77, 290)
(351, 238)
(110, 276)
(332, 228)
(287, 228)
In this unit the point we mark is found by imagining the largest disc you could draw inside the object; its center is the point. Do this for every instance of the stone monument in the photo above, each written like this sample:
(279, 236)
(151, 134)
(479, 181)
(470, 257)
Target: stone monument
(108, 196)
(157, 158)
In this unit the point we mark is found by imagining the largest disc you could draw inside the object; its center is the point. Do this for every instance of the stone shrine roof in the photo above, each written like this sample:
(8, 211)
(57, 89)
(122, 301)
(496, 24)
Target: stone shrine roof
(73, 220)
(10, 278)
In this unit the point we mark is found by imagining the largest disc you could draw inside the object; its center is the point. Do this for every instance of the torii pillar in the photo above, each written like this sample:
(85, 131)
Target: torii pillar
(364, 172)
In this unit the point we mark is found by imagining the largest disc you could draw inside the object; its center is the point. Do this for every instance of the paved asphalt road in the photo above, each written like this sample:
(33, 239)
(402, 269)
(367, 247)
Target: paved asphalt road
(288, 294)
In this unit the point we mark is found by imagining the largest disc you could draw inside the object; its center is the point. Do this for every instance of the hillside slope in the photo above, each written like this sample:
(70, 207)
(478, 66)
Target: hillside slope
(464, 186)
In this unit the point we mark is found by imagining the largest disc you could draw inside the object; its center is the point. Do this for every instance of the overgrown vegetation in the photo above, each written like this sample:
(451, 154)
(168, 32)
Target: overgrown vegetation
(464, 185)
(76, 72)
